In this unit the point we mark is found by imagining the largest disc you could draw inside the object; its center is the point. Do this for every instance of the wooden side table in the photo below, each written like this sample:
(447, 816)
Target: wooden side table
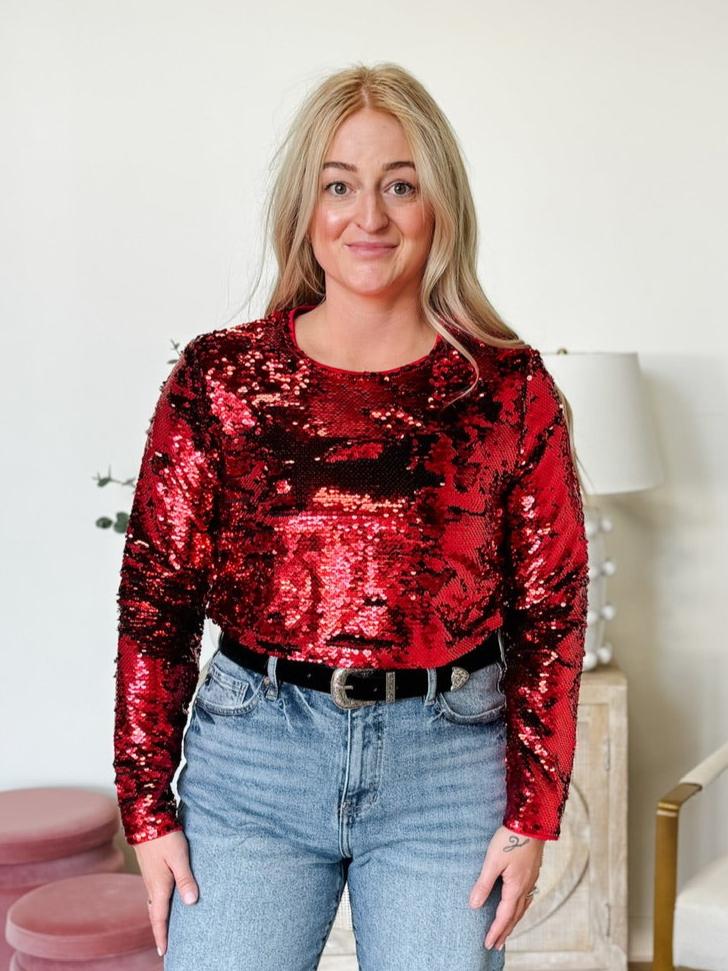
(578, 920)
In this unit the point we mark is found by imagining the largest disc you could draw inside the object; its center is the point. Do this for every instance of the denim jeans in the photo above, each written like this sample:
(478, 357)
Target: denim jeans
(284, 796)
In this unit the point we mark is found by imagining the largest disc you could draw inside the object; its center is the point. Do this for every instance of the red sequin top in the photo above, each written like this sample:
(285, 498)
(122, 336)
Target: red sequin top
(358, 519)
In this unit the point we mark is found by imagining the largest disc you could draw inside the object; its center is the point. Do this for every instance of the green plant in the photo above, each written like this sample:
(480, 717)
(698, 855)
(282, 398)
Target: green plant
(119, 523)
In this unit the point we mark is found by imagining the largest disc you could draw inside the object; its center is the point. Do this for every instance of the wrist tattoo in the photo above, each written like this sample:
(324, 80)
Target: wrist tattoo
(515, 843)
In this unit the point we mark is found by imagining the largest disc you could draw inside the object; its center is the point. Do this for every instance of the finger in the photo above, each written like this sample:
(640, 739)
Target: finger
(184, 878)
(158, 914)
(188, 889)
(503, 916)
(481, 889)
(508, 930)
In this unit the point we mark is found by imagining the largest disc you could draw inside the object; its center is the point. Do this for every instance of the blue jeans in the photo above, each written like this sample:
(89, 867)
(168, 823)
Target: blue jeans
(284, 796)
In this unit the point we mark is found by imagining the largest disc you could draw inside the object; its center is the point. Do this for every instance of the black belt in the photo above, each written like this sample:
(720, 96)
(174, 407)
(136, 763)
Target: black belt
(354, 687)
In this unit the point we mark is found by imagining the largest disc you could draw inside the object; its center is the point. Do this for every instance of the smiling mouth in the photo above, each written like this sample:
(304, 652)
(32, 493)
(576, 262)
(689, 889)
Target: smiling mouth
(370, 247)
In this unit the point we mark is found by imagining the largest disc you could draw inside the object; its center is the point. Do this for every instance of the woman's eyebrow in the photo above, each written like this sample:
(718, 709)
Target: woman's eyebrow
(352, 168)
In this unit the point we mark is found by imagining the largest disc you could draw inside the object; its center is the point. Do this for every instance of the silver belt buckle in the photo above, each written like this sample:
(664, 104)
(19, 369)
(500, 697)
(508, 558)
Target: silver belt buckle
(339, 687)
(458, 677)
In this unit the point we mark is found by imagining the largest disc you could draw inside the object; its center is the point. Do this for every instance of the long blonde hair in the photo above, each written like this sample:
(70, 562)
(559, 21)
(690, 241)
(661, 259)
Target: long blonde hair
(450, 290)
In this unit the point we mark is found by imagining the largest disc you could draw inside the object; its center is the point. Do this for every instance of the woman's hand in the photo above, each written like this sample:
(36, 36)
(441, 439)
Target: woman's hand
(518, 858)
(163, 862)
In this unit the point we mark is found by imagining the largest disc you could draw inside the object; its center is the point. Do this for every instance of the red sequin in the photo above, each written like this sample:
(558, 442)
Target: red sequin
(358, 519)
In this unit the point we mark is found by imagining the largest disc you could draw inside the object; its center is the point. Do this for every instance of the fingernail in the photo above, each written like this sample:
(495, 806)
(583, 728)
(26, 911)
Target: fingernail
(159, 951)
(501, 947)
(189, 897)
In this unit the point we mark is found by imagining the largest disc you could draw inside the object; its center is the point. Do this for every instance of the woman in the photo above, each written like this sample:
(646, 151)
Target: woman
(371, 489)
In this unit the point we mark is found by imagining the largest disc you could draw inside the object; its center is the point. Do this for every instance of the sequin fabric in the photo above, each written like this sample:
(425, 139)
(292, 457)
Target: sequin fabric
(356, 519)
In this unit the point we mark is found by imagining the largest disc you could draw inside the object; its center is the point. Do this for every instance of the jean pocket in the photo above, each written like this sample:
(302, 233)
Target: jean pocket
(480, 699)
(229, 688)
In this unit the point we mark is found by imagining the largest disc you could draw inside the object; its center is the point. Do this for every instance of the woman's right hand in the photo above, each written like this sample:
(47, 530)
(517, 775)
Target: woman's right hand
(163, 862)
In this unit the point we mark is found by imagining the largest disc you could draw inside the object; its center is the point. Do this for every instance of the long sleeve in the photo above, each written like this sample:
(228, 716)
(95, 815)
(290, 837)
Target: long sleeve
(161, 600)
(546, 610)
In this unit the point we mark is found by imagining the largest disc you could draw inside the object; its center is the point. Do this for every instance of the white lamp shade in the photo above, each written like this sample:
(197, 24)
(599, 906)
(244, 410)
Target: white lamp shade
(613, 430)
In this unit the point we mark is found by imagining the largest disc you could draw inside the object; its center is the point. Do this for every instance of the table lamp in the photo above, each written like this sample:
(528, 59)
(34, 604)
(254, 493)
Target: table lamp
(616, 452)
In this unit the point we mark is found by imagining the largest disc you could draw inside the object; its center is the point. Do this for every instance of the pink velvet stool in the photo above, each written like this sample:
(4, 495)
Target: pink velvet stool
(97, 922)
(51, 833)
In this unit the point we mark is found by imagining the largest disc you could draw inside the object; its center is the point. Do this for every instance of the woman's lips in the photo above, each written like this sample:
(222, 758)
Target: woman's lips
(369, 249)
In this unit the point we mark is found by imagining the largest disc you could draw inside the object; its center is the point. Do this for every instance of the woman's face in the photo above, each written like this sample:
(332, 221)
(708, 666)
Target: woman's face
(369, 193)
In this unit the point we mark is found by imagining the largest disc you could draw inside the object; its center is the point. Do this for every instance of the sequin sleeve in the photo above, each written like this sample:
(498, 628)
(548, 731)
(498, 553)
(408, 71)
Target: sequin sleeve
(161, 598)
(544, 631)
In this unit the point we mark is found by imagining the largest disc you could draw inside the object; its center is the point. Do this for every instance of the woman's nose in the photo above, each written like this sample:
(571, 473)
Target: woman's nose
(371, 211)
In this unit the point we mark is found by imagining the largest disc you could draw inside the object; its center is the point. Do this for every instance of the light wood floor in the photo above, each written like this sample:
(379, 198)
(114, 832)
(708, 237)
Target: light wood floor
(340, 962)
(338, 954)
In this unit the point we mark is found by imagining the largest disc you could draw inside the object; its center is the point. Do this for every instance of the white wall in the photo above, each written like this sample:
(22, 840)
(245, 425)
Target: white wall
(136, 139)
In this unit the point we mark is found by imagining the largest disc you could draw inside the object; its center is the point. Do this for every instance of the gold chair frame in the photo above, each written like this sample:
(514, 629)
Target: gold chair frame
(666, 856)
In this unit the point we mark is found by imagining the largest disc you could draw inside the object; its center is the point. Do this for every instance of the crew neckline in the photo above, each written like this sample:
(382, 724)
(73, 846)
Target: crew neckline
(290, 330)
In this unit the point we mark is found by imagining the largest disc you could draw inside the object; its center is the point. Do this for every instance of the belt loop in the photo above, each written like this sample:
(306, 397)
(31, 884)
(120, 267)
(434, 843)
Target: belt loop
(431, 686)
(501, 646)
(272, 680)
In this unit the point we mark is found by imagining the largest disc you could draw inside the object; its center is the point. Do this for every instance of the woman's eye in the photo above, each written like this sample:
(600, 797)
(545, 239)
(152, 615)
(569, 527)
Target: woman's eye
(327, 187)
(409, 185)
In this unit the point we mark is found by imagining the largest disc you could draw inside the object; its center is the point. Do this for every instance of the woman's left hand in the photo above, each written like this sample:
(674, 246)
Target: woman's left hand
(518, 859)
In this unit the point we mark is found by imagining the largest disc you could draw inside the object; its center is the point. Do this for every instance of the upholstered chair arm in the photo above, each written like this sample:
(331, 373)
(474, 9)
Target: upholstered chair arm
(666, 833)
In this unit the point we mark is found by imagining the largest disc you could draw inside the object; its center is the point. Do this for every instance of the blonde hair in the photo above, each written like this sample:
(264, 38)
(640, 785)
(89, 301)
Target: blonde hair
(450, 291)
